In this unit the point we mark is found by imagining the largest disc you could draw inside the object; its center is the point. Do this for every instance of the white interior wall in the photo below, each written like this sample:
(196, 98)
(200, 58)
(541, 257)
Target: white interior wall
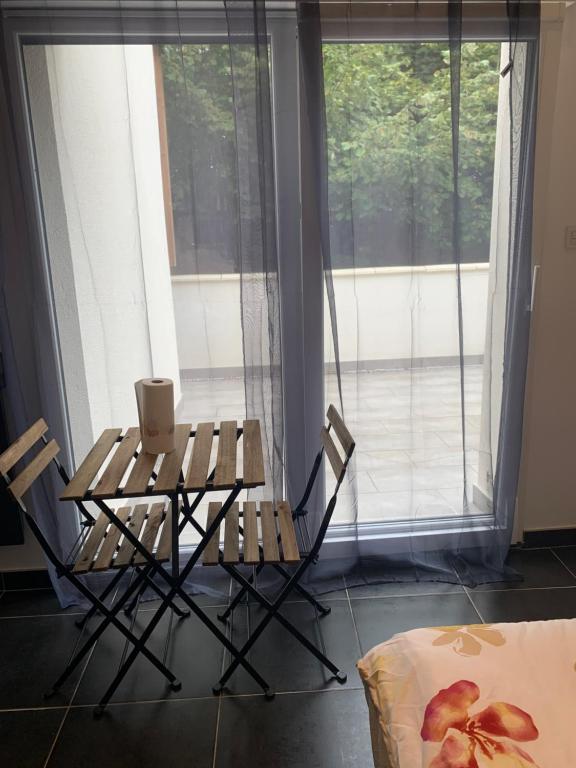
(110, 260)
(547, 492)
(97, 145)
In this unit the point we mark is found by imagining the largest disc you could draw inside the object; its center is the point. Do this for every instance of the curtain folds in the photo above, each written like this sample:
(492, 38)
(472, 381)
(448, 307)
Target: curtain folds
(141, 235)
(424, 134)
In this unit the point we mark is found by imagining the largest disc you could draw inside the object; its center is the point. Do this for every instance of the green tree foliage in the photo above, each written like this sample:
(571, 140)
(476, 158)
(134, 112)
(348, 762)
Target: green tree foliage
(389, 143)
(390, 137)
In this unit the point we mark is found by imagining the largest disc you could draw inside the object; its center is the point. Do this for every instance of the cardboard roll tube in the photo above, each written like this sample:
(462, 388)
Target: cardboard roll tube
(155, 399)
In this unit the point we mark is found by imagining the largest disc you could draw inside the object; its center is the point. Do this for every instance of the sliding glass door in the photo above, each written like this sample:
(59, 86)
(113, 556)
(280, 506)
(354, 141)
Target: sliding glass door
(135, 149)
(420, 326)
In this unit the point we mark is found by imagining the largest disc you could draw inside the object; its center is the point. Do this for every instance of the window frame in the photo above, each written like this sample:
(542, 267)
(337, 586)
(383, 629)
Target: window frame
(302, 316)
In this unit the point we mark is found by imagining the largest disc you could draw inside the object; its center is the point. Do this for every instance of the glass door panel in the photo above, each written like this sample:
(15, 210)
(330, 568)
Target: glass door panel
(395, 277)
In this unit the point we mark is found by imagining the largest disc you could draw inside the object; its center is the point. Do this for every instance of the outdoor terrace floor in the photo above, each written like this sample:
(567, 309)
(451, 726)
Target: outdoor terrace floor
(407, 427)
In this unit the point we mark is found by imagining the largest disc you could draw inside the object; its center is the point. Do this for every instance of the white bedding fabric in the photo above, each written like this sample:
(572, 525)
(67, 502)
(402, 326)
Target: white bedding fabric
(484, 696)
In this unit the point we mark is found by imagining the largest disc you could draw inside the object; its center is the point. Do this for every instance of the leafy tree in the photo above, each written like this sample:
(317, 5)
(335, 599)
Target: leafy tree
(388, 111)
(390, 147)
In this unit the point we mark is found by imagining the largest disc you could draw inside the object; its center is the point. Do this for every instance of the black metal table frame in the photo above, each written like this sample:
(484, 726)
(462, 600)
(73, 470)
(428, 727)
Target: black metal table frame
(174, 581)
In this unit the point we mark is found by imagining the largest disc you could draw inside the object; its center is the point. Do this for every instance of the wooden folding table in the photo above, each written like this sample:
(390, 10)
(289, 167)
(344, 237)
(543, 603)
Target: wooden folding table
(186, 470)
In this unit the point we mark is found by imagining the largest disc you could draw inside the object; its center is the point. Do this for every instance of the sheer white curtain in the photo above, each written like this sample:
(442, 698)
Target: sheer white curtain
(151, 181)
(423, 119)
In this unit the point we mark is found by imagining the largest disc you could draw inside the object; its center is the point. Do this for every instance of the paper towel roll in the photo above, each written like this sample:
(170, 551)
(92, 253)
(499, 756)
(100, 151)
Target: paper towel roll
(155, 398)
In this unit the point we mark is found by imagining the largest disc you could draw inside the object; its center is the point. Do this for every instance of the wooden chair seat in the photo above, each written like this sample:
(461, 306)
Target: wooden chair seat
(105, 547)
(276, 542)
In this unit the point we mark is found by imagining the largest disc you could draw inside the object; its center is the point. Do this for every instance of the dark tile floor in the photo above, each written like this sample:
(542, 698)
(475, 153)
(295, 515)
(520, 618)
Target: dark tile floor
(312, 723)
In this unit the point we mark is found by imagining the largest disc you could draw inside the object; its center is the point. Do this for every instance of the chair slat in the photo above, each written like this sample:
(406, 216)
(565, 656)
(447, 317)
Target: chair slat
(164, 551)
(22, 445)
(332, 453)
(250, 527)
(225, 475)
(287, 533)
(108, 548)
(148, 539)
(200, 459)
(252, 450)
(231, 535)
(108, 484)
(87, 471)
(139, 478)
(212, 549)
(134, 525)
(341, 430)
(94, 539)
(172, 463)
(269, 533)
(20, 485)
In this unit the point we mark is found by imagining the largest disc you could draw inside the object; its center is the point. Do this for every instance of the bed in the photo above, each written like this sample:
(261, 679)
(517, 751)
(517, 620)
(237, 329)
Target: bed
(478, 696)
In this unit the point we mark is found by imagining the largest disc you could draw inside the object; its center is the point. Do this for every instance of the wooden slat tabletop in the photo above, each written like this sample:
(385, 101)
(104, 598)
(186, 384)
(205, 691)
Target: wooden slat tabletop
(225, 475)
(269, 532)
(87, 471)
(200, 459)
(250, 523)
(253, 458)
(171, 466)
(173, 475)
(114, 472)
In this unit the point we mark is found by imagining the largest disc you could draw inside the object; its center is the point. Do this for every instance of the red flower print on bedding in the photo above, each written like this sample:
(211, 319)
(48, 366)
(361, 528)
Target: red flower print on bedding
(481, 740)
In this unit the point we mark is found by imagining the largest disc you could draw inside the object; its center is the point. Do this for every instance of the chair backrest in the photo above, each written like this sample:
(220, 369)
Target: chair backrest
(339, 458)
(21, 482)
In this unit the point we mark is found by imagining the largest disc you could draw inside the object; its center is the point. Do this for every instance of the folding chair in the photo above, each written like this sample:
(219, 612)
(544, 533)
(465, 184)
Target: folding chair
(98, 547)
(279, 545)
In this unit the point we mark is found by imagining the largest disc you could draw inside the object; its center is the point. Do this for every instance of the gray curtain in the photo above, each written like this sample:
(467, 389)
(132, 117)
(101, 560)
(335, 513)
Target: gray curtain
(410, 187)
(389, 121)
(29, 354)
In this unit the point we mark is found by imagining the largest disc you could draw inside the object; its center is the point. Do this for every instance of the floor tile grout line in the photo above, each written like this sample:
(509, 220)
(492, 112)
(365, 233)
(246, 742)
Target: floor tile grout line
(142, 610)
(228, 631)
(69, 707)
(557, 556)
(182, 700)
(404, 594)
(217, 733)
(76, 687)
(348, 598)
(353, 620)
(469, 596)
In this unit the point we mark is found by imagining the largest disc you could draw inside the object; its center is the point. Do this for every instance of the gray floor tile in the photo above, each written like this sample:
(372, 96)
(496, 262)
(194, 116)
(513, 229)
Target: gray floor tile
(33, 653)
(167, 734)
(32, 602)
(539, 567)
(526, 605)
(26, 737)
(377, 619)
(283, 661)
(194, 656)
(310, 730)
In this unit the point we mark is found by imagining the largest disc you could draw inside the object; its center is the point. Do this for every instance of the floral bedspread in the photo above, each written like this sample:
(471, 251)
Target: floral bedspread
(485, 696)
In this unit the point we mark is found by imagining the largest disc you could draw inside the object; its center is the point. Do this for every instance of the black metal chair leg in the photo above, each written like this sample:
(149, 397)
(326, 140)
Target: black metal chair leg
(150, 583)
(238, 596)
(229, 646)
(273, 612)
(324, 610)
(110, 617)
(81, 623)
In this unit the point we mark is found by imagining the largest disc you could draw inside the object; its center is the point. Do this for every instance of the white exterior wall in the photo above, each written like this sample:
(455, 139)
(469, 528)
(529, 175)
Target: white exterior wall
(106, 227)
(383, 314)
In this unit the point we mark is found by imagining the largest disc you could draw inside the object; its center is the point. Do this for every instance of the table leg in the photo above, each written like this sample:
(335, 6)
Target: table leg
(175, 538)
